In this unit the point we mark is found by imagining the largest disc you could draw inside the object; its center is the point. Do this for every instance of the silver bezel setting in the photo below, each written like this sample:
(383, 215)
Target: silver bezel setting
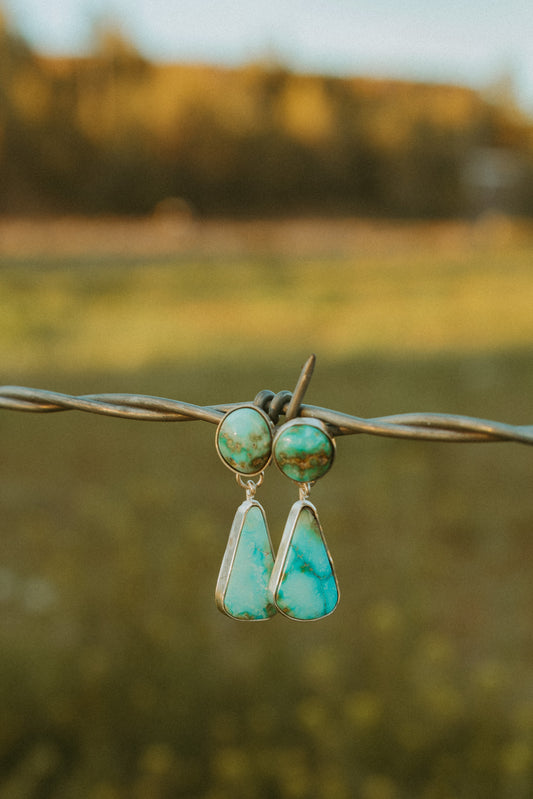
(283, 551)
(270, 427)
(229, 558)
(298, 422)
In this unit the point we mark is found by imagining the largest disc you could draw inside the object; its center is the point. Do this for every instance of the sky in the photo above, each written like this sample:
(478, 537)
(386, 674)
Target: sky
(471, 42)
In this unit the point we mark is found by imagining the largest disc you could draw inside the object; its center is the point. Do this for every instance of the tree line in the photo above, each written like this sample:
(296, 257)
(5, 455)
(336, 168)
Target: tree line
(114, 133)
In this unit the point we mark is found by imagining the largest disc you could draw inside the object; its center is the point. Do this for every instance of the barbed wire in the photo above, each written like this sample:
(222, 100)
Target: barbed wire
(420, 426)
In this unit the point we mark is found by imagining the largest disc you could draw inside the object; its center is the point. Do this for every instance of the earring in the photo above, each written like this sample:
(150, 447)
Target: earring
(303, 584)
(244, 443)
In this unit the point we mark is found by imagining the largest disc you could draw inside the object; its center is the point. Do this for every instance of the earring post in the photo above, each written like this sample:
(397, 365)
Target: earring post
(300, 388)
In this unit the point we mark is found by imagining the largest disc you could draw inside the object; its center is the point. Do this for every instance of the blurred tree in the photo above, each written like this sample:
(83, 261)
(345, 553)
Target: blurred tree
(111, 132)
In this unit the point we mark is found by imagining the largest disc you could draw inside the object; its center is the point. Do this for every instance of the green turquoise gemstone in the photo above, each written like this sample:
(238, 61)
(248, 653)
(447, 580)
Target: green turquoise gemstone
(303, 451)
(244, 440)
(242, 587)
(303, 584)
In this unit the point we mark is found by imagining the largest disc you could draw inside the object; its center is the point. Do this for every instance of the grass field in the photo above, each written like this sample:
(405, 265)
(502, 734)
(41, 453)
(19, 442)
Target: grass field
(417, 296)
(118, 677)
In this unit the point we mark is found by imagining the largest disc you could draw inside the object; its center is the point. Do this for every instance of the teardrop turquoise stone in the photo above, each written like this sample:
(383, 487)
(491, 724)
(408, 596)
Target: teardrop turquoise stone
(244, 440)
(246, 595)
(307, 588)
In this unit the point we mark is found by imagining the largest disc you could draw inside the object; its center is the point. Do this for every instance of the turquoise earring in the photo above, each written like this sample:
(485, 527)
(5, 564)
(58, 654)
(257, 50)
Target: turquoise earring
(303, 584)
(244, 443)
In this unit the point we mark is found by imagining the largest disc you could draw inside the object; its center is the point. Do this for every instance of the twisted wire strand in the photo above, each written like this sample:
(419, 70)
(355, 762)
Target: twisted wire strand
(420, 426)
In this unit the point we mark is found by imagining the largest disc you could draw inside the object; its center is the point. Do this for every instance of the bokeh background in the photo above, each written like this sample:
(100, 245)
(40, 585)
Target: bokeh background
(196, 231)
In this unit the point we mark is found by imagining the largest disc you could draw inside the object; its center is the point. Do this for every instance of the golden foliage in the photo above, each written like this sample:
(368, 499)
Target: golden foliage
(306, 111)
(112, 132)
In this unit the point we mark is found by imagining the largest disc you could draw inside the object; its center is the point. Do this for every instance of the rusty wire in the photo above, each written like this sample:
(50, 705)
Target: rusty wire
(421, 426)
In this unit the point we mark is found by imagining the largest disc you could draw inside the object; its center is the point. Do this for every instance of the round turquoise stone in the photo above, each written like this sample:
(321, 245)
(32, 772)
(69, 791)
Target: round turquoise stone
(244, 440)
(303, 451)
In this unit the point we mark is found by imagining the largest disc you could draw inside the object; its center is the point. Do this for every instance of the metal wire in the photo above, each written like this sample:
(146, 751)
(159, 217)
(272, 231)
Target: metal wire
(421, 426)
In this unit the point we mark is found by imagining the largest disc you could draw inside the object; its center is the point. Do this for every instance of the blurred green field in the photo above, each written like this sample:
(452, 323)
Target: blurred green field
(122, 315)
(119, 679)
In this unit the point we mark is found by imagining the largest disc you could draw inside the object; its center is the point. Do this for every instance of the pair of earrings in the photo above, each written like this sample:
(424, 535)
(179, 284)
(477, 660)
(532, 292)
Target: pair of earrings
(300, 582)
